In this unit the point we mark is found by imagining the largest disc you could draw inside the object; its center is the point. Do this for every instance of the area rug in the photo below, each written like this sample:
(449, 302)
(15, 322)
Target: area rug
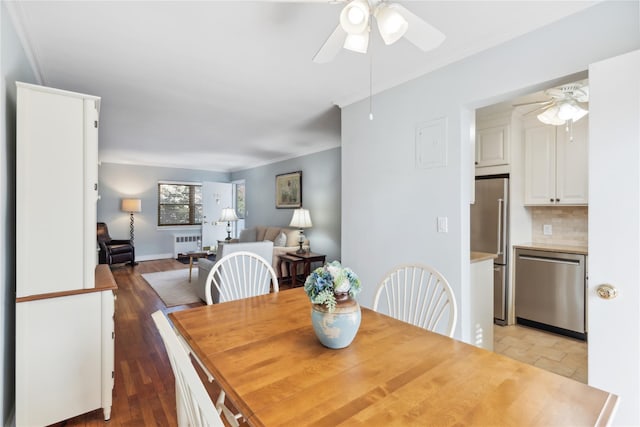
(173, 286)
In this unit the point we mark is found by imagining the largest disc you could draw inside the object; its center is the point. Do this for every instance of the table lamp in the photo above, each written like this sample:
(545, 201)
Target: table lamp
(228, 215)
(301, 219)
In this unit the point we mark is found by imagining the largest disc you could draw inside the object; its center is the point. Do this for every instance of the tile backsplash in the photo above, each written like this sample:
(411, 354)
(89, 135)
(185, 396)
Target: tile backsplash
(569, 225)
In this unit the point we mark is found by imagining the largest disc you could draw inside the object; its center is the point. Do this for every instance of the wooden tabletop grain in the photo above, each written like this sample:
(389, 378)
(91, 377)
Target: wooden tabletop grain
(265, 355)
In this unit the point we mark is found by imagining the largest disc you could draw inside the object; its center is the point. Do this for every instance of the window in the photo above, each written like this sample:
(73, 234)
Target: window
(179, 204)
(239, 196)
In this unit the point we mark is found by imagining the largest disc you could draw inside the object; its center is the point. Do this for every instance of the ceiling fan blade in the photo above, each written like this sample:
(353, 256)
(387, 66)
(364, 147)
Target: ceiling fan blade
(422, 34)
(331, 47)
(543, 103)
(538, 110)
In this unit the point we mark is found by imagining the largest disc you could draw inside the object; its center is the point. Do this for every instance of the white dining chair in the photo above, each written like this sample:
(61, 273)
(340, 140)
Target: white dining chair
(240, 275)
(194, 407)
(235, 276)
(420, 295)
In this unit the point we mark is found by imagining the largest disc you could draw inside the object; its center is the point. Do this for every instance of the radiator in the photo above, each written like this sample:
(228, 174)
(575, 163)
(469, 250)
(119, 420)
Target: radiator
(184, 242)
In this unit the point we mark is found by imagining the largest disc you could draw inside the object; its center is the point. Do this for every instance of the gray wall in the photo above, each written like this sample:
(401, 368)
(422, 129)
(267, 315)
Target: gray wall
(321, 190)
(141, 182)
(384, 149)
(15, 67)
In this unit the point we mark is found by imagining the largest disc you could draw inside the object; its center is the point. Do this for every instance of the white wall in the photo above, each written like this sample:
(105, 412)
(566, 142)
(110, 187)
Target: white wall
(15, 66)
(390, 206)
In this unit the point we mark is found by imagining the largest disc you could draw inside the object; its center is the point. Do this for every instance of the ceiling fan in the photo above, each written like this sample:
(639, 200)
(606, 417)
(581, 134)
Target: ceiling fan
(393, 20)
(564, 105)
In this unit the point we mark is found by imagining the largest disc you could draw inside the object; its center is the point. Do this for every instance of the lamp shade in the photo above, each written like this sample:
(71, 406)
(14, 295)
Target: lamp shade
(559, 113)
(391, 23)
(357, 42)
(301, 219)
(354, 18)
(131, 205)
(227, 215)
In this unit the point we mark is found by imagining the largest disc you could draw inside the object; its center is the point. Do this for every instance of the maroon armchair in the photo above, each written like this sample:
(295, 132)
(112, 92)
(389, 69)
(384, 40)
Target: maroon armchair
(114, 251)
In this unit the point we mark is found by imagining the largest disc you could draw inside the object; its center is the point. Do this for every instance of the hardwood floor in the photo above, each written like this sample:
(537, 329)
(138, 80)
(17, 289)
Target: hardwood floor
(144, 393)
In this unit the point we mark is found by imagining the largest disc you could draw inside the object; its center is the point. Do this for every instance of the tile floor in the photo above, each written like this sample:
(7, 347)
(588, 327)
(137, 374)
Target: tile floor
(556, 353)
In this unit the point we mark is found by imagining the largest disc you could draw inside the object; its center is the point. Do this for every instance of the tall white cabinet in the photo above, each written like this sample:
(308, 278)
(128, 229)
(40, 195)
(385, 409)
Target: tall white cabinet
(64, 304)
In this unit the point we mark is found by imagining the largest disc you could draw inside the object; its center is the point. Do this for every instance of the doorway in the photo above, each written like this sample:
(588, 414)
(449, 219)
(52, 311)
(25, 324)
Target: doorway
(510, 141)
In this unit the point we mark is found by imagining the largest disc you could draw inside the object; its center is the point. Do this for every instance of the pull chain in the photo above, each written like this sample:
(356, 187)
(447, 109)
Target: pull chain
(569, 129)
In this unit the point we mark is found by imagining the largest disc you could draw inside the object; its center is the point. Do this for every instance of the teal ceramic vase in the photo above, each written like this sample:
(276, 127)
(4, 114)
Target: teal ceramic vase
(338, 328)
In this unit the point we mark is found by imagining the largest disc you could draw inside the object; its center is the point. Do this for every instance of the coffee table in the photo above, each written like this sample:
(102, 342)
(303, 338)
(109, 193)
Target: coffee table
(192, 256)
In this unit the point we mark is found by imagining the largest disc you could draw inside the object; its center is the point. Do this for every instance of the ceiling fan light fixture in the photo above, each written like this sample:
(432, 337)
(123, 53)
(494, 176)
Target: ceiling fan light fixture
(569, 110)
(580, 114)
(354, 18)
(391, 24)
(550, 116)
(357, 42)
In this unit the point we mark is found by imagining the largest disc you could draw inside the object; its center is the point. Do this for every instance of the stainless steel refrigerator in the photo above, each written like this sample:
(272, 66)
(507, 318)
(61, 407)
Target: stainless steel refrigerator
(489, 233)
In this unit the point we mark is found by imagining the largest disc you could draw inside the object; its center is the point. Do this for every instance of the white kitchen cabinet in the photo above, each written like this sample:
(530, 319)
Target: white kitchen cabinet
(481, 293)
(64, 303)
(492, 146)
(56, 189)
(556, 168)
(64, 357)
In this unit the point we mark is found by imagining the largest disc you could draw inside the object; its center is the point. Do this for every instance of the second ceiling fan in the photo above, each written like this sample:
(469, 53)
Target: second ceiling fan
(393, 20)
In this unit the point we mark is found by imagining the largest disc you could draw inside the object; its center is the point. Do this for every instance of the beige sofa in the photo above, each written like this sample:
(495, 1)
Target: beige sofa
(285, 239)
(265, 241)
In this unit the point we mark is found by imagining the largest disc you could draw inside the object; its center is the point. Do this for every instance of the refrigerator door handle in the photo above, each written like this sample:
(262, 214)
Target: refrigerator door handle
(500, 242)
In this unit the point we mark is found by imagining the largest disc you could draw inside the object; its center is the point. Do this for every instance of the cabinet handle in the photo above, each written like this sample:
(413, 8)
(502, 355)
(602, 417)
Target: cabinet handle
(557, 200)
(551, 200)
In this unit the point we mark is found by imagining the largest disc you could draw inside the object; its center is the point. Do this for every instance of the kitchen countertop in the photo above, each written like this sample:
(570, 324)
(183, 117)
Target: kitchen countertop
(581, 250)
(482, 256)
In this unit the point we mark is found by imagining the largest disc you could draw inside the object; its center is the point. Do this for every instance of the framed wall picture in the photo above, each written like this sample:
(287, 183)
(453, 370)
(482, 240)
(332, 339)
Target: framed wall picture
(289, 190)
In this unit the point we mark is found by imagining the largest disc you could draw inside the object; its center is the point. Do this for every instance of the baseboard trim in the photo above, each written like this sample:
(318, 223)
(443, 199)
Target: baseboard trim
(154, 257)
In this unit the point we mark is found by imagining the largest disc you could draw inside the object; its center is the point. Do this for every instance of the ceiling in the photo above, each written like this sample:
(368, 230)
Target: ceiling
(229, 85)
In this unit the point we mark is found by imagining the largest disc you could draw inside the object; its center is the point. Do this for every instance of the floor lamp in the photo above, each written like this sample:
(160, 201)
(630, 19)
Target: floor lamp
(132, 206)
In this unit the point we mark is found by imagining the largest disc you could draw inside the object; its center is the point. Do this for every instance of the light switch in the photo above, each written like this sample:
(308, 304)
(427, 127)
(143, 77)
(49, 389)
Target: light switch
(547, 229)
(443, 224)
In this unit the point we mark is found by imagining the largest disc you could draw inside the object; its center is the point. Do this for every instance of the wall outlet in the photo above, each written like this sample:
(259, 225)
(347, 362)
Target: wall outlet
(547, 229)
(443, 224)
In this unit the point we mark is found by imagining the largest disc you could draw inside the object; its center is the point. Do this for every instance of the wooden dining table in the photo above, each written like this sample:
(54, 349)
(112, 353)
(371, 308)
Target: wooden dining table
(264, 353)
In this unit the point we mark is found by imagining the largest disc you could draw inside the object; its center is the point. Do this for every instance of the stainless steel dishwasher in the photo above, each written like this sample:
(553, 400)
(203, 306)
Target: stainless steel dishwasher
(550, 291)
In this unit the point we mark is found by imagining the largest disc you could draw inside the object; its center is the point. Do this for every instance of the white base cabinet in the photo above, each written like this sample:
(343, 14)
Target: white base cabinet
(481, 273)
(64, 357)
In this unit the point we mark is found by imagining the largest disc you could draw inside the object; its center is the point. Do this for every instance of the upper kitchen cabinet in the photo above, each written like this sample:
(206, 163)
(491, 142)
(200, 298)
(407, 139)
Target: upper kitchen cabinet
(56, 189)
(556, 166)
(493, 136)
(492, 146)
